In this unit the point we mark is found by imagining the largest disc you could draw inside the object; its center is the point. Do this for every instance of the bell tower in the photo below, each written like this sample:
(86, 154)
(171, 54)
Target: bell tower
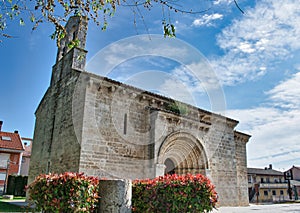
(71, 57)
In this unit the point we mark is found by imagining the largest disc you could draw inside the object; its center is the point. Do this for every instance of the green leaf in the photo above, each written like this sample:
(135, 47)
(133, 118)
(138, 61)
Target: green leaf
(32, 18)
(22, 23)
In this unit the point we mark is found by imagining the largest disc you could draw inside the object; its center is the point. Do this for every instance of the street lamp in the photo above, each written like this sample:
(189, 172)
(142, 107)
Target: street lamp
(289, 176)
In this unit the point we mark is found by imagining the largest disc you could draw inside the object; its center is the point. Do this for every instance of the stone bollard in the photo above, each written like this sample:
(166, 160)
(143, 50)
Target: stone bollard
(115, 196)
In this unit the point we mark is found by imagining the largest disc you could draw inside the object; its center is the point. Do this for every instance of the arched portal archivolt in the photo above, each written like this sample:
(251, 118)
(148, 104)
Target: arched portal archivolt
(186, 153)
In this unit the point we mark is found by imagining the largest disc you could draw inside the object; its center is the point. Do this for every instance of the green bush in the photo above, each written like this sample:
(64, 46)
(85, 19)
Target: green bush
(174, 193)
(68, 192)
(177, 107)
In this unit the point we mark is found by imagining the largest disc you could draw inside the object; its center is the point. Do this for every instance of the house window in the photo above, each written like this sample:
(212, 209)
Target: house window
(249, 179)
(6, 138)
(281, 192)
(268, 180)
(262, 180)
(2, 176)
(265, 193)
(273, 192)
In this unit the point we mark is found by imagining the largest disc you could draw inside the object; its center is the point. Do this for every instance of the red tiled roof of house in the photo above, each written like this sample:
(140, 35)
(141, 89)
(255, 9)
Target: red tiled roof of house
(10, 141)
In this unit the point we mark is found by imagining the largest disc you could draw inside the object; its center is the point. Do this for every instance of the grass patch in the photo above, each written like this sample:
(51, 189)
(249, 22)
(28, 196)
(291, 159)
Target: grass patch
(15, 198)
(7, 207)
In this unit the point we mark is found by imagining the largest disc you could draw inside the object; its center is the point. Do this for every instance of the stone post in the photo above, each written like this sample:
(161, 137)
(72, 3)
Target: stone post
(115, 196)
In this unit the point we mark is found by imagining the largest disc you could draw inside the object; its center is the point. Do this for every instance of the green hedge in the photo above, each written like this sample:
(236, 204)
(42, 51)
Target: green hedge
(73, 192)
(68, 192)
(174, 193)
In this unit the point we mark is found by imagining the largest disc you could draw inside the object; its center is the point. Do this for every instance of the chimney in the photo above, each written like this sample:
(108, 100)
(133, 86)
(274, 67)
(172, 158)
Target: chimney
(270, 166)
(16, 131)
(1, 122)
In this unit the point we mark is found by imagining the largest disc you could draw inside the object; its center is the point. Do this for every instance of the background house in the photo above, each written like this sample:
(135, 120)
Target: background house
(11, 149)
(27, 143)
(293, 176)
(266, 185)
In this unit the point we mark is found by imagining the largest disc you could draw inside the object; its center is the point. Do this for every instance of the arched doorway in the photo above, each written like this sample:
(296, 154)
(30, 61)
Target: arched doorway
(182, 153)
(170, 166)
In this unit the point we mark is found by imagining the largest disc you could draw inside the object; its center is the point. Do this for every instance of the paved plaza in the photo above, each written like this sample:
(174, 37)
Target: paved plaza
(270, 208)
(267, 208)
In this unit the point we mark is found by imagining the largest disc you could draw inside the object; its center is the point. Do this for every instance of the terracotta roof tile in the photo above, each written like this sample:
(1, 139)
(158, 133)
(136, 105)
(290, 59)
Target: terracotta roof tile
(10, 141)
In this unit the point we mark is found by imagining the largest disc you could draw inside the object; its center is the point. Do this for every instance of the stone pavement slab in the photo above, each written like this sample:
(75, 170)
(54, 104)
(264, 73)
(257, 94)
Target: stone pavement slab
(270, 208)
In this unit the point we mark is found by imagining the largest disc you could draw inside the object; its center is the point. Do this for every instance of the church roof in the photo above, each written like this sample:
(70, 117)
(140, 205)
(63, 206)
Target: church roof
(119, 85)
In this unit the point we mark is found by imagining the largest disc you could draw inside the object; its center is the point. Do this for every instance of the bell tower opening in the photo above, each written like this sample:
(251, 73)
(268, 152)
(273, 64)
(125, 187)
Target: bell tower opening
(170, 166)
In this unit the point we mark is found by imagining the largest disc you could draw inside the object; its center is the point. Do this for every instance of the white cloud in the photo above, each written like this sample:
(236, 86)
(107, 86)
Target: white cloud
(287, 93)
(206, 20)
(275, 136)
(267, 33)
(218, 2)
(275, 131)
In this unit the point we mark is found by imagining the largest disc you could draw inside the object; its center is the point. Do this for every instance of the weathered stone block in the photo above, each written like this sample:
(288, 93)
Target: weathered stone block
(115, 196)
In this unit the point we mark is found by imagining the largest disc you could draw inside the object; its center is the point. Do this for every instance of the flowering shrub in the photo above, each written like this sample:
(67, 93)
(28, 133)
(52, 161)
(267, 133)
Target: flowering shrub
(174, 193)
(68, 192)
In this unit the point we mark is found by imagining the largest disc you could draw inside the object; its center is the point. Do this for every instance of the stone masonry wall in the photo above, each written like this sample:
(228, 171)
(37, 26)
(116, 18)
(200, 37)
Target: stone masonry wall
(115, 132)
(217, 137)
(122, 134)
(241, 157)
(56, 148)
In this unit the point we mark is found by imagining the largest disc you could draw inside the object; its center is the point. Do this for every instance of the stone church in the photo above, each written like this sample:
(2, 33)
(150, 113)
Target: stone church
(96, 125)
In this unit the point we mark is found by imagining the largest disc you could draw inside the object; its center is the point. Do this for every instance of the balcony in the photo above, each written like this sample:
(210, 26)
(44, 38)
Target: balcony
(273, 185)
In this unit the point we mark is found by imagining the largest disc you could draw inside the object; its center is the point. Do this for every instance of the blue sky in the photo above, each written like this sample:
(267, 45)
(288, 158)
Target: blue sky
(255, 56)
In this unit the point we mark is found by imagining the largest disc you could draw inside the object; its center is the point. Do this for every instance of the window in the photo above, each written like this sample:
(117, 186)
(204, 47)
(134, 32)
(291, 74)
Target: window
(2, 176)
(23, 160)
(6, 138)
(4, 158)
(273, 192)
(262, 180)
(281, 192)
(125, 124)
(268, 180)
(265, 193)
(249, 179)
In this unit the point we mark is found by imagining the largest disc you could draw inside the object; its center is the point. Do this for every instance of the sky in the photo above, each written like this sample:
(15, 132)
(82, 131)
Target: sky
(253, 57)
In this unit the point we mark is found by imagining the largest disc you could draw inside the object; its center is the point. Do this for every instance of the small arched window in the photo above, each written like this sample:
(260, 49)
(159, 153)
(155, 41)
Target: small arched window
(125, 124)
